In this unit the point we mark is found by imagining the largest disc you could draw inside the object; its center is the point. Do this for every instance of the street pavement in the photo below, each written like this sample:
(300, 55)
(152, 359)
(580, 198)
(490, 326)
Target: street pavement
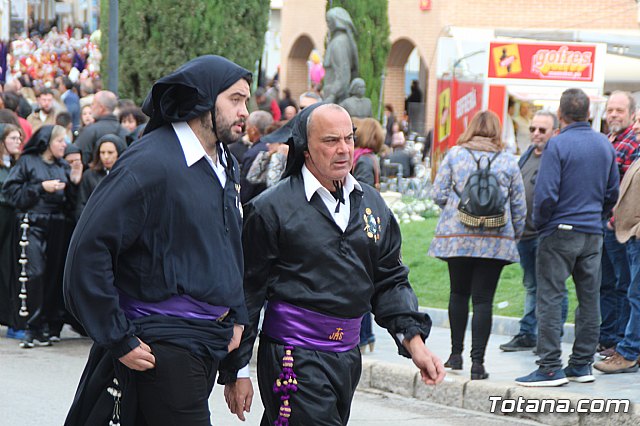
(37, 386)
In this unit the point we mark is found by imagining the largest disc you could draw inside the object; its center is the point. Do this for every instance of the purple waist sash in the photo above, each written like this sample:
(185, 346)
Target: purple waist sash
(181, 306)
(307, 329)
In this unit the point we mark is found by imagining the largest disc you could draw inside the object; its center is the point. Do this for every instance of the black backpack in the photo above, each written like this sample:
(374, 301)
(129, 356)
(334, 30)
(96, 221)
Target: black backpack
(482, 203)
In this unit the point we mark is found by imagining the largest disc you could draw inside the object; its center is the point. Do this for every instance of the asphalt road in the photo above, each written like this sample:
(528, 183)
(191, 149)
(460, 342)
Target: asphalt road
(37, 387)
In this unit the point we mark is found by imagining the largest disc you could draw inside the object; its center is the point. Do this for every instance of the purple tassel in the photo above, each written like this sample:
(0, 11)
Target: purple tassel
(285, 384)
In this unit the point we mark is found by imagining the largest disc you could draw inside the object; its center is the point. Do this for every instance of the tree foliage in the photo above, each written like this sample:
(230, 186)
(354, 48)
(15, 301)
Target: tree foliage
(371, 21)
(157, 36)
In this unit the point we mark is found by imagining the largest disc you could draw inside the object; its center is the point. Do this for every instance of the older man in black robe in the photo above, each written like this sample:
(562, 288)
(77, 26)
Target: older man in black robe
(322, 250)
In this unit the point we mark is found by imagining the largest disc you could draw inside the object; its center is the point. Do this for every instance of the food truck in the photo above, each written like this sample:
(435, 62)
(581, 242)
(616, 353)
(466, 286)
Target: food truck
(475, 75)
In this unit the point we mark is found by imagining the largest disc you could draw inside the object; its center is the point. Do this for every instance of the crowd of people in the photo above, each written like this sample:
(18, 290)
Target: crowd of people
(567, 209)
(279, 208)
(61, 134)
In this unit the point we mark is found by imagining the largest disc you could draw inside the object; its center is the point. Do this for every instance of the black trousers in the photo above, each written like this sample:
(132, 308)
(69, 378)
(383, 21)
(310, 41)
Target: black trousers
(176, 392)
(474, 278)
(326, 384)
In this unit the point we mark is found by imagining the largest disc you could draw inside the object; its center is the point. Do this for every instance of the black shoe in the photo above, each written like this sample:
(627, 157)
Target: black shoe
(454, 362)
(478, 372)
(521, 342)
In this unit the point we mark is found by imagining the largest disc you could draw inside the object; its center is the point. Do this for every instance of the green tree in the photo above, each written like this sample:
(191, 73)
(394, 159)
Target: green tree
(371, 21)
(157, 36)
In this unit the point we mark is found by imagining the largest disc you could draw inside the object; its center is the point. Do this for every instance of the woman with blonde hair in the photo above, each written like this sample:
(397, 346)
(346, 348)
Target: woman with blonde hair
(43, 187)
(369, 140)
(476, 253)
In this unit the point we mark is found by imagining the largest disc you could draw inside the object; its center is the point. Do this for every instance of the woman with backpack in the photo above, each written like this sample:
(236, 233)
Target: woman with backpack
(366, 169)
(480, 189)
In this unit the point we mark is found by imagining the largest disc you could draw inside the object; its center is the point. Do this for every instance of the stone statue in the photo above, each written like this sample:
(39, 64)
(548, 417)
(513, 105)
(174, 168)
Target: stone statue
(341, 57)
(357, 105)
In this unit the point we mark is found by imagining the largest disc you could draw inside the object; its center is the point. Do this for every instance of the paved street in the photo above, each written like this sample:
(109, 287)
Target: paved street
(38, 385)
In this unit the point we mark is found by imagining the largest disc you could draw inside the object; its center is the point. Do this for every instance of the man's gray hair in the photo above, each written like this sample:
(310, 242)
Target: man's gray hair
(261, 120)
(107, 99)
(632, 101)
(545, 113)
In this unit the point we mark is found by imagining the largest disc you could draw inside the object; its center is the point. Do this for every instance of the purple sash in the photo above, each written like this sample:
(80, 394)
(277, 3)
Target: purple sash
(181, 306)
(307, 329)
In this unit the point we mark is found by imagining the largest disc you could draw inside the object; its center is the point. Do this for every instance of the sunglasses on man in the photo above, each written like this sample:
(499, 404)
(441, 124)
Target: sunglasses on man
(533, 129)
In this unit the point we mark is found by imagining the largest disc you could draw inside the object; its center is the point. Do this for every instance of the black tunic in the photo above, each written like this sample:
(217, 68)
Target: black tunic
(295, 252)
(90, 179)
(46, 250)
(9, 288)
(155, 228)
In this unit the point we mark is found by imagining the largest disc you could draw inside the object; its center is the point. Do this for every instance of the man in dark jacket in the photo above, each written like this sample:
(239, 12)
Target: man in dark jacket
(257, 125)
(323, 250)
(544, 125)
(102, 107)
(70, 99)
(154, 271)
(576, 186)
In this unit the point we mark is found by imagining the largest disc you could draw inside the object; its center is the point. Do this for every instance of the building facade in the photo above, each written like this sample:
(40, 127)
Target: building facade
(417, 25)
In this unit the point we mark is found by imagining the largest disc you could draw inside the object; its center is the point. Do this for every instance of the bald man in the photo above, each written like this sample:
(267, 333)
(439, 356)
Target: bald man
(102, 107)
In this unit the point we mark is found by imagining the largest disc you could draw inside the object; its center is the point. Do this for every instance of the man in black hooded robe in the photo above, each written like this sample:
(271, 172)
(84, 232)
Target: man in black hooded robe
(154, 271)
(322, 250)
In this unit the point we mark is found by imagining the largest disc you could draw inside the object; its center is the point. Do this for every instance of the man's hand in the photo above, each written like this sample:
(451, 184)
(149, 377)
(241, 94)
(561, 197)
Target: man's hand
(140, 358)
(237, 336)
(239, 396)
(431, 369)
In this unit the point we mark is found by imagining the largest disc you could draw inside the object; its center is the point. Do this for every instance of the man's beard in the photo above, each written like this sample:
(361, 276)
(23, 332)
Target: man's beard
(615, 128)
(223, 129)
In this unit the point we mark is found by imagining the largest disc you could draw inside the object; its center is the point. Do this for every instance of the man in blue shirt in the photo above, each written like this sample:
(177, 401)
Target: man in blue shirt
(577, 185)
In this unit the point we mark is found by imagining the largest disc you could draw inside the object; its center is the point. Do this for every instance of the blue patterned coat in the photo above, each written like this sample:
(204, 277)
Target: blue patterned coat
(452, 238)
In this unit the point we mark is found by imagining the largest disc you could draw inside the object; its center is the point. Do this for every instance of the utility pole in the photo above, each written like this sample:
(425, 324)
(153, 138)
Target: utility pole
(113, 46)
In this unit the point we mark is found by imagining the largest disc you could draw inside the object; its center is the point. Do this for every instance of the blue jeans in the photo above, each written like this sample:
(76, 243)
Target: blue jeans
(614, 304)
(629, 346)
(528, 324)
(366, 330)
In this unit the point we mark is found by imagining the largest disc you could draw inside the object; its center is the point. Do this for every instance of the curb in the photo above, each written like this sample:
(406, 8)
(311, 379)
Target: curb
(505, 326)
(458, 392)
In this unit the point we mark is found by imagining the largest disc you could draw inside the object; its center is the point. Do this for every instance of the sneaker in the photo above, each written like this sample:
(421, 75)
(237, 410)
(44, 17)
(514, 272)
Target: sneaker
(607, 352)
(32, 340)
(539, 378)
(579, 373)
(616, 364)
(15, 334)
(521, 342)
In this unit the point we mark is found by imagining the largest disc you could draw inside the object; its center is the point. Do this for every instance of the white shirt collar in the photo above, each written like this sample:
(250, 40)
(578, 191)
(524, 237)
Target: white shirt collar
(193, 150)
(191, 146)
(312, 184)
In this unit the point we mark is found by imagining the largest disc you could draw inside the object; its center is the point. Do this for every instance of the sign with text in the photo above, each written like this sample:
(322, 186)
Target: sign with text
(456, 104)
(538, 61)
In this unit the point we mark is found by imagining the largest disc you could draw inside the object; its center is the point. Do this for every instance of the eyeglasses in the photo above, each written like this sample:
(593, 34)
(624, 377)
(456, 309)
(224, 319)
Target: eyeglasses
(542, 130)
(14, 138)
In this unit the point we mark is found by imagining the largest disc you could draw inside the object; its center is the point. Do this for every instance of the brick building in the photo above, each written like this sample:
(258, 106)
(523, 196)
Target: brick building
(417, 24)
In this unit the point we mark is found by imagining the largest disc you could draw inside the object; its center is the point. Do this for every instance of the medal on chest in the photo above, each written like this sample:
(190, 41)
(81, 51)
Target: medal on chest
(371, 225)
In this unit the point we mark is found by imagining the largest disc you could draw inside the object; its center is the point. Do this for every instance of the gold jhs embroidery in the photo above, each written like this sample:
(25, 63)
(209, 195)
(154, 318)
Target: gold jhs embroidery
(337, 335)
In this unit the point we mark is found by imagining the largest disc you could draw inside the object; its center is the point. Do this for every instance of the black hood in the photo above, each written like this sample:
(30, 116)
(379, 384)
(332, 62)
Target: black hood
(294, 134)
(191, 90)
(120, 144)
(39, 141)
